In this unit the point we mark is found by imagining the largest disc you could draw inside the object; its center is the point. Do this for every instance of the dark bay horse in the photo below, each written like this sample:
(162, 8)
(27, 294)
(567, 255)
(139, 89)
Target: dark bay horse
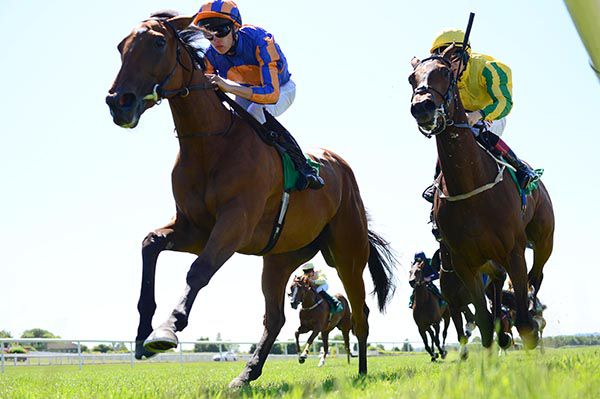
(477, 206)
(315, 316)
(228, 185)
(428, 313)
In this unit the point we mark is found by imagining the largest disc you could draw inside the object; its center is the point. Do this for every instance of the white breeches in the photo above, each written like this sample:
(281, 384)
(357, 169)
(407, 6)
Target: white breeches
(287, 94)
(323, 287)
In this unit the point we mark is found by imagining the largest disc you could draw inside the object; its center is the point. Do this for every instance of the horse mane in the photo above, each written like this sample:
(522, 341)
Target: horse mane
(191, 37)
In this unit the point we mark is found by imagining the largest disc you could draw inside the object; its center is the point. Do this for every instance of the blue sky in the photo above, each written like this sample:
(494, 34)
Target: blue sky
(79, 193)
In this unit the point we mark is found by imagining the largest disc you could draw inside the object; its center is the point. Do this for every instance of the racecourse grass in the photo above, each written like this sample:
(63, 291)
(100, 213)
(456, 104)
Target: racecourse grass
(560, 373)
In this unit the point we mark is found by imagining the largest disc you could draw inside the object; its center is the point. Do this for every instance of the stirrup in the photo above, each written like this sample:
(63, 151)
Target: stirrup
(429, 194)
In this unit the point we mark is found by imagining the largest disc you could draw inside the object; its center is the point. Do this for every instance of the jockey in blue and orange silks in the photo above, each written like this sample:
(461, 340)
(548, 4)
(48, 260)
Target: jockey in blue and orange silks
(485, 89)
(245, 60)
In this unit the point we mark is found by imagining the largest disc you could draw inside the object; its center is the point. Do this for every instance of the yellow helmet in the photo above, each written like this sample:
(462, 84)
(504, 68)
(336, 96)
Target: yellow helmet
(448, 37)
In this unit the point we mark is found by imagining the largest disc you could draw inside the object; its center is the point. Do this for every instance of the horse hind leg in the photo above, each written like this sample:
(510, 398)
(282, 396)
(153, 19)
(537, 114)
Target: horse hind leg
(345, 246)
(276, 272)
(540, 231)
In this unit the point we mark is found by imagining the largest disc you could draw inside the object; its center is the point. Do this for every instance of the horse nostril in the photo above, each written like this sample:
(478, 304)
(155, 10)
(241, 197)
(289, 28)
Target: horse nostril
(126, 100)
(422, 108)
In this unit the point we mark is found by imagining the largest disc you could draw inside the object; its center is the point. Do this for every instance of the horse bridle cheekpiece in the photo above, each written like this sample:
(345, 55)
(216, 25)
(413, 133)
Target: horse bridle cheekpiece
(158, 91)
(441, 112)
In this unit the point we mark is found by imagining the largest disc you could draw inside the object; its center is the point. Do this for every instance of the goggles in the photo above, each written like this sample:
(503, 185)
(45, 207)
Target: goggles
(216, 31)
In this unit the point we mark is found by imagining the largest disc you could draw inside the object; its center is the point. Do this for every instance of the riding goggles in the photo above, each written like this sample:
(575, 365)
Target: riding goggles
(216, 31)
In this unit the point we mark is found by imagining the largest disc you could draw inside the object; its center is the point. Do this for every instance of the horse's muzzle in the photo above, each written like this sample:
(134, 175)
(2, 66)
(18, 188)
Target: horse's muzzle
(423, 112)
(125, 108)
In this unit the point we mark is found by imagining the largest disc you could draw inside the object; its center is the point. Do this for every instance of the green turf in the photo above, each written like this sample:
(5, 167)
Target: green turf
(561, 373)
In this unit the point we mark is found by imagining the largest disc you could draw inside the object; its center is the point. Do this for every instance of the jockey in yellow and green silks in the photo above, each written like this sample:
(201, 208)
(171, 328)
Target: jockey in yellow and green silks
(318, 279)
(485, 90)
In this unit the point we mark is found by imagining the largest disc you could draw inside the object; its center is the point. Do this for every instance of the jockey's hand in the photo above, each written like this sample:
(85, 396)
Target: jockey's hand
(219, 82)
(473, 117)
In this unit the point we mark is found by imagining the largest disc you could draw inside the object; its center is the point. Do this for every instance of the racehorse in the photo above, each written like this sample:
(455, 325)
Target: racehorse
(315, 316)
(477, 206)
(428, 313)
(228, 186)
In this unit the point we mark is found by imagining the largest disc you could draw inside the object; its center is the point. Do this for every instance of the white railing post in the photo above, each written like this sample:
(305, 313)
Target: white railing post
(131, 351)
(79, 355)
(2, 355)
(181, 352)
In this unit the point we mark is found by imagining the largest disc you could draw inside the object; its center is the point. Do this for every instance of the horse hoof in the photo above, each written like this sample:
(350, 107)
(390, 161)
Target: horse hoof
(444, 354)
(464, 353)
(237, 383)
(161, 340)
(141, 352)
(505, 340)
(301, 360)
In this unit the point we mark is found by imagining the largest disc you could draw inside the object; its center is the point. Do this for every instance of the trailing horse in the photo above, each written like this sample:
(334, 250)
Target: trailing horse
(315, 316)
(428, 313)
(228, 187)
(477, 206)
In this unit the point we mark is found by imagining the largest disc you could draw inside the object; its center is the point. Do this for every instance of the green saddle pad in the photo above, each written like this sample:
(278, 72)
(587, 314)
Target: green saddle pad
(532, 186)
(290, 174)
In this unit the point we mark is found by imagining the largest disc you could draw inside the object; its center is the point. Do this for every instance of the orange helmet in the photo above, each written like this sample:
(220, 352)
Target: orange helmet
(225, 9)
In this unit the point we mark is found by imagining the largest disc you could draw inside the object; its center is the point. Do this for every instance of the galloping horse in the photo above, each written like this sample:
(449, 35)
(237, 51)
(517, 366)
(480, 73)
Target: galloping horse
(428, 313)
(228, 185)
(481, 223)
(315, 316)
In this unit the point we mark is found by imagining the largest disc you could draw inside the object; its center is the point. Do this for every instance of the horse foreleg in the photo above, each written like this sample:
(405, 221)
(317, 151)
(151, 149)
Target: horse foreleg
(517, 271)
(474, 286)
(325, 339)
(423, 332)
(276, 272)
(162, 239)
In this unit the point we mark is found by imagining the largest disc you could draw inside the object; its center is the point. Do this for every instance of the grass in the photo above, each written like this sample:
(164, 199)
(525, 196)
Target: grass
(560, 373)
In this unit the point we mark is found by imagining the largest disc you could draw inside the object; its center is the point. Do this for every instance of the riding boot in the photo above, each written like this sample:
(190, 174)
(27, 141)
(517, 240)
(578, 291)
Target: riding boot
(335, 306)
(494, 144)
(434, 227)
(307, 175)
(411, 301)
(429, 193)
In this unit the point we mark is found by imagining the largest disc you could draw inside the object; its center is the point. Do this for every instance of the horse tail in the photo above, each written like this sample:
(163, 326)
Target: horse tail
(382, 264)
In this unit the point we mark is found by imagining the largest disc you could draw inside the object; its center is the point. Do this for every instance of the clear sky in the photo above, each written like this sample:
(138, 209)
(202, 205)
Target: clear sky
(79, 193)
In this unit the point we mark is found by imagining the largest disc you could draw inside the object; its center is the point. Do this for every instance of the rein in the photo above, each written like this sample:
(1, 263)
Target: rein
(320, 301)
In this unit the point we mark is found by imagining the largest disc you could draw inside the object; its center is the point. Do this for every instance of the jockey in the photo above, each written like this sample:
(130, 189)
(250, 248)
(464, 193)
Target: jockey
(484, 86)
(429, 273)
(320, 281)
(244, 60)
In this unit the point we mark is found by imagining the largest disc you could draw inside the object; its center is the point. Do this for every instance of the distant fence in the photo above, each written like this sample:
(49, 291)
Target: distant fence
(72, 353)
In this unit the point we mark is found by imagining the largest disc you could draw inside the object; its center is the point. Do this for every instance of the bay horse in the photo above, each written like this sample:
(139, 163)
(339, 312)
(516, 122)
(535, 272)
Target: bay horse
(316, 316)
(228, 185)
(428, 313)
(477, 206)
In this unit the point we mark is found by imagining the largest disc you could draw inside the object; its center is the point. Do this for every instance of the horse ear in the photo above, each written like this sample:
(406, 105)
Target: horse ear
(182, 22)
(449, 52)
(414, 62)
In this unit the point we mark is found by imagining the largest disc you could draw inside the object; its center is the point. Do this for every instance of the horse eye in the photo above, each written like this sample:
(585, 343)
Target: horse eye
(161, 42)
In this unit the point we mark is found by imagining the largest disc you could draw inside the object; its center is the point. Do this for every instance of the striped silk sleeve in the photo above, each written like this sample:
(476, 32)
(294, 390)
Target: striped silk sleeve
(267, 56)
(497, 78)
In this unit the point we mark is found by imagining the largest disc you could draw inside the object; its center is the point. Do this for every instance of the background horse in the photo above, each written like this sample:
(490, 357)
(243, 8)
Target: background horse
(536, 310)
(427, 313)
(481, 223)
(228, 186)
(315, 316)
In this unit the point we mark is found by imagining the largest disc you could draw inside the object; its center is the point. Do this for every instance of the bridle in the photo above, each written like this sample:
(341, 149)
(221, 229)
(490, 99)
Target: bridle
(158, 91)
(448, 99)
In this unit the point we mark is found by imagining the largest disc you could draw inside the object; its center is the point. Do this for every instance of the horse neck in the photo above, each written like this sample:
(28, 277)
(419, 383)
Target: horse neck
(200, 114)
(460, 157)
(310, 299)
(423, 295)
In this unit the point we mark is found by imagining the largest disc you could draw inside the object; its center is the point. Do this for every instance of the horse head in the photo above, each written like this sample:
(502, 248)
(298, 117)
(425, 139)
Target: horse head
(299, 288)
(156, 62)
(415, 278)
(434, 90)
